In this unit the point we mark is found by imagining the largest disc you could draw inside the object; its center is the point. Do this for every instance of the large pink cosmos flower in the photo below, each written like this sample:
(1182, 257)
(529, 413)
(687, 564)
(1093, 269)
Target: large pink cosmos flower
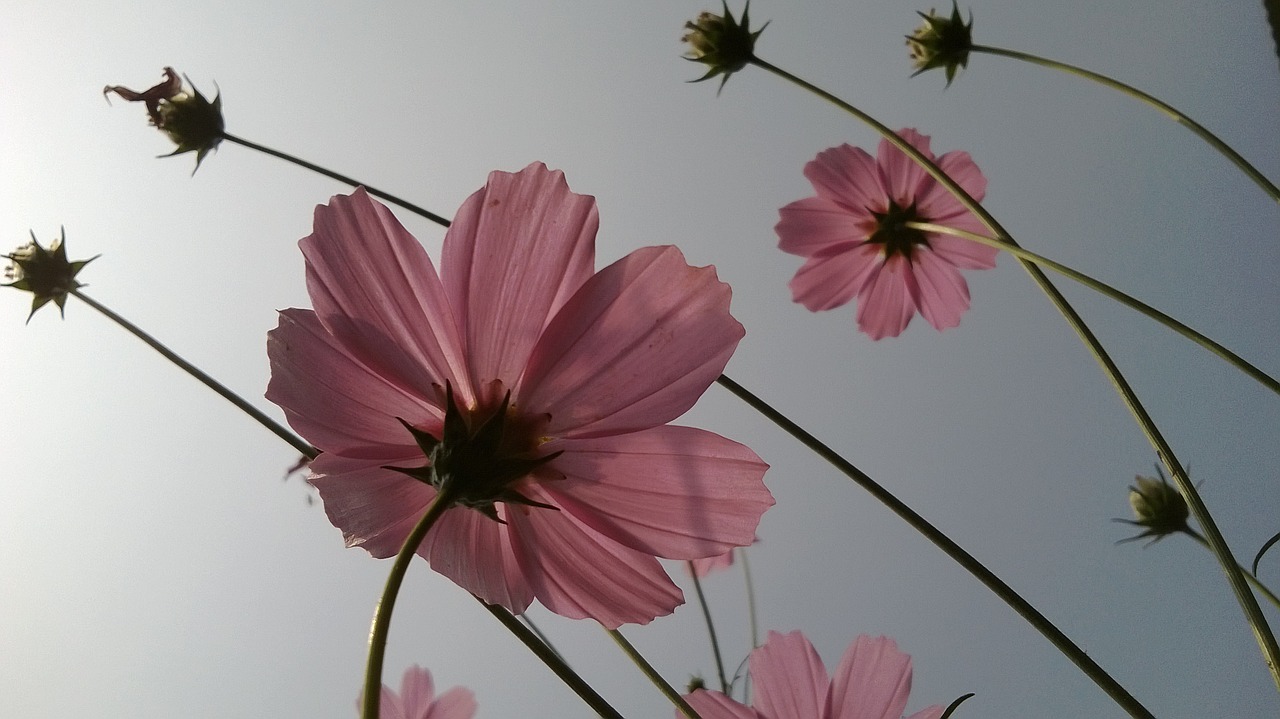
(872, 682)
(418, 700)
(545, 389)
(853, 237)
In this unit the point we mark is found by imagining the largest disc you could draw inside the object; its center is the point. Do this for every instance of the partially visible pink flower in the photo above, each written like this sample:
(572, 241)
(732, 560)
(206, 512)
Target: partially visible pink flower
(541, 392)
(700, 568)
(853, 236)
(873, 681)
(418, 700)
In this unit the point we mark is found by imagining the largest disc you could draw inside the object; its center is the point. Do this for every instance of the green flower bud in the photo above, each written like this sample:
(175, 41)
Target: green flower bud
(1158, 507)
(721, 43)
(192, 122)
(941, 42)
(45, 273)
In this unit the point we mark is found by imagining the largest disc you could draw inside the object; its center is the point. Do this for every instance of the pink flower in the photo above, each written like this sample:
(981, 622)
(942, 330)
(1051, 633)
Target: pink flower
(700, 568)
(418, 700)
(872, 682)
(853, 237)
(562, 382)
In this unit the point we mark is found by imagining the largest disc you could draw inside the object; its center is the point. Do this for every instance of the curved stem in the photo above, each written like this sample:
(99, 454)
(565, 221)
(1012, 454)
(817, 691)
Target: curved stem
(653, 675)
(275, 427)
(711, 628)
(948, 547)
(1128, 300)
(1248, 603)
(1253, 579)
(552, 659)
(415, 209)
(382, 613)
(1168, 110)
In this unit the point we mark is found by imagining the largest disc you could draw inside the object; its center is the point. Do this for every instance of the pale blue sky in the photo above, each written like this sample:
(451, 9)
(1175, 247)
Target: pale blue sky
(156, 565)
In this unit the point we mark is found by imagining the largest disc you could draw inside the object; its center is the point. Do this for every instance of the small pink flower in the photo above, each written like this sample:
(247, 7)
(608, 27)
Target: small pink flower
(562, 383)
(418, 700)
(853, 237)
(872, 682)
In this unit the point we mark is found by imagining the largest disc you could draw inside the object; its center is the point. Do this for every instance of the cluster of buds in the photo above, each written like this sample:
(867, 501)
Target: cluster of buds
(192, 122)
(44, 272)
(721, 42)
(941, 42)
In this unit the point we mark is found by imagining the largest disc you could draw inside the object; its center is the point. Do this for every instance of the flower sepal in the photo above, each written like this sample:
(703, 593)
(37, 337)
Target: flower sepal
(45, 273)
(942, 42)
(1158, 507)
(721, 42)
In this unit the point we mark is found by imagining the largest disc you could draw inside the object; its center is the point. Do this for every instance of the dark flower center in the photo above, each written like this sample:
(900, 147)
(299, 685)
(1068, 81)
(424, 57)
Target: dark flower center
(892, 231)
(479, 467)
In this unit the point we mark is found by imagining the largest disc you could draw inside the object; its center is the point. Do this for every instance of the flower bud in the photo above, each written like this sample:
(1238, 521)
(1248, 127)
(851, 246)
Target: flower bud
(941, 42)
(193, 123)
(721, 43)
(1158, 507)
(45, 273)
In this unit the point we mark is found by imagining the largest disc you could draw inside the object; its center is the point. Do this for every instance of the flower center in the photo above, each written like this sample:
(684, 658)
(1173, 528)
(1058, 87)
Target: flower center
(892, 231)
(478, 462)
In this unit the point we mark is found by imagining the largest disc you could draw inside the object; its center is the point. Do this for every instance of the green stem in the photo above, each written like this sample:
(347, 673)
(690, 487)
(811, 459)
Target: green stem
(751, 613)
(525, 620)
(340, 178)
(382, 613)
(653, 675)
(1253, 579)
(1171, 112)
(1239, 362)
(1248, 603)
(552, 659)
(948, 547)
(711, 628)
(276, 428)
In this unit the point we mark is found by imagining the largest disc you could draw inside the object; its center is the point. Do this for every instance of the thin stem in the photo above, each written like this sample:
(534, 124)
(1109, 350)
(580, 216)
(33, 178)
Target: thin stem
(711, 628)
(552, 659)
(276, 428)
(1248, 603)
(1128, 300)
(415, 209)
(382, 613)
(542, 637)
(1171, 112)
(1253, 579)
(949, 547)
(653, 675)
(751, 613)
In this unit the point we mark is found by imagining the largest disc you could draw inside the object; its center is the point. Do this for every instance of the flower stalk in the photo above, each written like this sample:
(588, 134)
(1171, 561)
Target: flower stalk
(1168, 110)
(652, 674)
(711, 628)
(1235, 578)
(1232, 358)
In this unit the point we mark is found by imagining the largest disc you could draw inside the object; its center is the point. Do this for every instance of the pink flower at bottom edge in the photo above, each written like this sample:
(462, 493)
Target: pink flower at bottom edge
(855, 245)
(872, 681)
(417, 699)
(562, 384)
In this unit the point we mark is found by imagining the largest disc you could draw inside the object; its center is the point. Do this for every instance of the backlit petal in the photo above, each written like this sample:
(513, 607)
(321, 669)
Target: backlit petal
(673, 492)
(790, 680)
(847, 176)
(517, 250)
(902, 177)
(714, 705)
(873, 681)
(375, 508)
(832, 278)
(812, 225)
(633, 349)
(884, 305)
(476, 553)
(937, 288)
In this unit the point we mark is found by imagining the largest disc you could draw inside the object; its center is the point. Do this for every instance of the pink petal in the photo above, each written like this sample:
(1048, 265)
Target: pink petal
(476, 553)
(963, 253)
(832, 278)
(884, 306)
(457, 703)
(517, 250)
(901, 175)
(578, 573)
(872, 681)
(848, 177)
(633, 349)
(790, 680)
(812, 225)
(938, 202)
(701, 568)
(389, 705)
(330, 398)
(930, 712)
(673, 492)
(714, 705)
(375, 508)
(938, 290)
(375, 289)
(417, 691)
